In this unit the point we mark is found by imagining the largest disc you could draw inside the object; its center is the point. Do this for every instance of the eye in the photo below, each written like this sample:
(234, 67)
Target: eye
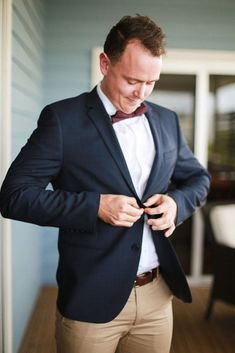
(131, 82)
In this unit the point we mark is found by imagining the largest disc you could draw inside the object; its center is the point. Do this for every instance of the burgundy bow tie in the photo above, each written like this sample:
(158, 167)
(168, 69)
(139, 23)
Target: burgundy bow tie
(119, 115)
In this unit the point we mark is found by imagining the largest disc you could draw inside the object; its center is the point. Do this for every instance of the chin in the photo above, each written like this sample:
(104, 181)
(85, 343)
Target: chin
(129, 109)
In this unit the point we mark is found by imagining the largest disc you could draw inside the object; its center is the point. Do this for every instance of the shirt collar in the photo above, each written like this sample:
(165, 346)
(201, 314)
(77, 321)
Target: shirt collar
(108, 105)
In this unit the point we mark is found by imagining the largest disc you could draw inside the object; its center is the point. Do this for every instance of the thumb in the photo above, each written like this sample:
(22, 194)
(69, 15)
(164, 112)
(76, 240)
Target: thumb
(133, 202)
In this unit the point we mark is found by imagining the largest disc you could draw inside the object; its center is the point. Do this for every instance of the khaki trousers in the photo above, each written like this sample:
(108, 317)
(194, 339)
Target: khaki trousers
(143, 326)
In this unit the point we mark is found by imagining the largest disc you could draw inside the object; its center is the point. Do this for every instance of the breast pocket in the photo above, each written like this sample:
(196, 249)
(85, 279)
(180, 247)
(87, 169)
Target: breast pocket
(170, 155)
(169, 162)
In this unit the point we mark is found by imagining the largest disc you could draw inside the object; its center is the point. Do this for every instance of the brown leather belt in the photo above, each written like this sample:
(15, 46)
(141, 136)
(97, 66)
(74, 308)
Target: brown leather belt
(146, 277)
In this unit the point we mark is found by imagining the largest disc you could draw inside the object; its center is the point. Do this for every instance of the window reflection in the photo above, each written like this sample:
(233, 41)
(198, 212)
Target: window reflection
(177, 92)
(222, 136)
(221, 149)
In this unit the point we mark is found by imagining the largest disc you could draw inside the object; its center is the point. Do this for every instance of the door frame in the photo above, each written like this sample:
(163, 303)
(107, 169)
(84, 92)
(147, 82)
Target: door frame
(5, 158)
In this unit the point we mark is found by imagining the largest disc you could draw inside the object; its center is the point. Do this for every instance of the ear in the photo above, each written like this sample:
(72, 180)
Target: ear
(104, 63)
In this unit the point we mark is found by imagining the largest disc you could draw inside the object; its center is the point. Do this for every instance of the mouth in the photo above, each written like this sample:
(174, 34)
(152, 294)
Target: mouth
(134, 103)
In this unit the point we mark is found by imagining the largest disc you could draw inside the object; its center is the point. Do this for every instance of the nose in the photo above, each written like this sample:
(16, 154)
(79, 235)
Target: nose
(141, 91)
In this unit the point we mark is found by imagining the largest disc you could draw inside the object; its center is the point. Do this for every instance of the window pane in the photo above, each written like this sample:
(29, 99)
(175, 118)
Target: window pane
(222, 137)
(177, 92)
(221, 148)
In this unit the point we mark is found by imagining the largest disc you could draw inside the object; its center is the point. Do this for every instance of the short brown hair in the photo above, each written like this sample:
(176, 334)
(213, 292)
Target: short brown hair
(129, 28)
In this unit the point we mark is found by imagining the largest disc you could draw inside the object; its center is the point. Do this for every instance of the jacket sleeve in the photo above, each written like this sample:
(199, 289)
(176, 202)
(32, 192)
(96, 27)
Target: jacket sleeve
(25, 195)
(190, 179)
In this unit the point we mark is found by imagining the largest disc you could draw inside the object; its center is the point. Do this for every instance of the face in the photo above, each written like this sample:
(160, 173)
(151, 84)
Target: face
(128, 82)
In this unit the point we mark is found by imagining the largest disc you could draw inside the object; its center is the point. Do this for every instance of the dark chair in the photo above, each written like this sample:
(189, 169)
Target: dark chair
(220, 223)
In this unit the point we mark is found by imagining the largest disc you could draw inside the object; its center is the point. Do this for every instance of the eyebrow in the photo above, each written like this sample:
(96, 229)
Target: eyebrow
(137, 80)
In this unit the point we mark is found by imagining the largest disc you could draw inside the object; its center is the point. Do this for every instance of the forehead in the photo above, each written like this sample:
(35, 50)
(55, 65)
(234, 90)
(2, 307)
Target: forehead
(138, 62)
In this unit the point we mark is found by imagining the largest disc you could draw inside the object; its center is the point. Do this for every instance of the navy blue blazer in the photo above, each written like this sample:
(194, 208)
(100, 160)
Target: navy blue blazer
(75, 149)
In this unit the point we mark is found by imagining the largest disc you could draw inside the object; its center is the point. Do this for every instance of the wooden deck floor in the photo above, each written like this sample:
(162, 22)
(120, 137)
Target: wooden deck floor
(192, 334)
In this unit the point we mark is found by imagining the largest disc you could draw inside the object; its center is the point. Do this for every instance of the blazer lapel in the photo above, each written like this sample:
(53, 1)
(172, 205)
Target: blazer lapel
(102, 121)
(155, 126)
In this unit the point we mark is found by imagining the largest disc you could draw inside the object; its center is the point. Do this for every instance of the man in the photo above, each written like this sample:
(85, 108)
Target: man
(120, 186)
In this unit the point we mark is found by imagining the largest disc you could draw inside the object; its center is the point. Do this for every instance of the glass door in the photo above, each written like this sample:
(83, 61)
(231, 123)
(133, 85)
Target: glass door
(221, 144)
(221, 147)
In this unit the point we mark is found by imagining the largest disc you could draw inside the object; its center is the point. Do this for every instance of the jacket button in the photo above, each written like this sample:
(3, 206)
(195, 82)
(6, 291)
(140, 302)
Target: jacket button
(135, 247)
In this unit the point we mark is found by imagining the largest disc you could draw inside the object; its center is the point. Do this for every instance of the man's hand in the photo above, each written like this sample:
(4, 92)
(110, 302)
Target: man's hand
(119, 210)
(166, 207)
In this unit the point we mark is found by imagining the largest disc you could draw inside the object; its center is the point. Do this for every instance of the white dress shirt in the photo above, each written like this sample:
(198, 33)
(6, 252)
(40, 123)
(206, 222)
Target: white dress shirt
(136, 141)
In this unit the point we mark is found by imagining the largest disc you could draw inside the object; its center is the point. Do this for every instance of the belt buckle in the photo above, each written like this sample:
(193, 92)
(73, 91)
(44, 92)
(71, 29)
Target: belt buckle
(141, 275)
(158, 272)
(136, 285)
(152, 276)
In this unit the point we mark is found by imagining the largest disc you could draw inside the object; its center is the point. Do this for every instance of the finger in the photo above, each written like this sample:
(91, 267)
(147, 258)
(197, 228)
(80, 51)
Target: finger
(132, 201)
(159, 224)
(153, 200)
(134, 208)
(127, 224)
(124, 224)
(132, 211)
(124, 216)
(128, 205)
(169, 231)
(127, 218)
(154, 210)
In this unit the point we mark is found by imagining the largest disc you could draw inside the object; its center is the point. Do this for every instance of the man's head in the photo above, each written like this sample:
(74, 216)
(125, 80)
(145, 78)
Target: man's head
(140, 28)
(131, 61)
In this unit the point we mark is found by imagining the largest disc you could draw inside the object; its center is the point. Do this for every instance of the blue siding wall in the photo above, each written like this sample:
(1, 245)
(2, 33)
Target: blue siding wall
(27, 58)
(74, 27)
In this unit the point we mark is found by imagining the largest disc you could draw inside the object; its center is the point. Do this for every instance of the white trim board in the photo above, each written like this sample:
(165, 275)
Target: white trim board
(5, 158)
(188, 61)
